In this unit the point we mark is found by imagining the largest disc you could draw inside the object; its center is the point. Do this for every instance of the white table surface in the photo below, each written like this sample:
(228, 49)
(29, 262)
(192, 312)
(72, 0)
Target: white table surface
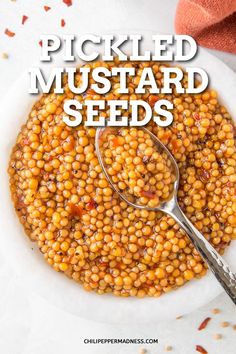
(28, 324)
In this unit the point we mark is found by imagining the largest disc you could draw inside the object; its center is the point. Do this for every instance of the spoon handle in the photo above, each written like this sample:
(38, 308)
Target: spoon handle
(215, 262)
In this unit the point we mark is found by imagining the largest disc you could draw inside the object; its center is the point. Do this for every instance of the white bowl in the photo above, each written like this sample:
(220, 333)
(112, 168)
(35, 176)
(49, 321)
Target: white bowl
(28, 262)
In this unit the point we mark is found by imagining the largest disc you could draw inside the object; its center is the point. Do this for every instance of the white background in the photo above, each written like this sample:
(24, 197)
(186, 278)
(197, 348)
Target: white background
(28, 324)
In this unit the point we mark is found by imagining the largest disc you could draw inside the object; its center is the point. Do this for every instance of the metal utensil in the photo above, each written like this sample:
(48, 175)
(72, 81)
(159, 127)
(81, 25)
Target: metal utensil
(216, 263)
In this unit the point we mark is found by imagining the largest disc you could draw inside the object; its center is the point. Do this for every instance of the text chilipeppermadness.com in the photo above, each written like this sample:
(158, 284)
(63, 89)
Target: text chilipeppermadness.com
(120, 341)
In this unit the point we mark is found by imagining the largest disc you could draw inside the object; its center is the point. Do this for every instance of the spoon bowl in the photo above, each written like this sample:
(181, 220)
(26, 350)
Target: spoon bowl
(160, 147)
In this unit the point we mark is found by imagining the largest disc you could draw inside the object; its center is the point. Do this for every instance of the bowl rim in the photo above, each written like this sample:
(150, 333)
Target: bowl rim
(37, 276)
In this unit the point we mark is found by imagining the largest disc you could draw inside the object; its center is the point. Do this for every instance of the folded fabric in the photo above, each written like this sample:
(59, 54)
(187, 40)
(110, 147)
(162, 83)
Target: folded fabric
(211, 22)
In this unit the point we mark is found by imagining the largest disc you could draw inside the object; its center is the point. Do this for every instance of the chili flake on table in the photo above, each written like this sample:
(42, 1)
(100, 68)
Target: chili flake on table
(68, 2)
(9, 33)
(24, 19)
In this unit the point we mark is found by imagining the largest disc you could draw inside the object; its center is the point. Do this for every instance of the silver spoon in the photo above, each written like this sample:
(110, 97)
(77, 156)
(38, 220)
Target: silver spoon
(216, 263)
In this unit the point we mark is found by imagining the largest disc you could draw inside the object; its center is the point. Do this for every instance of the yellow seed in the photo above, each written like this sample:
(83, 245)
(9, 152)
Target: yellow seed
(4, 55)
(215, 311)
(217, 336)
(143, 351)
(119, 281)
(65, 246)
(33, 183)
(56, 217)
(51, 108)
(63, 267)
(68, 185)
(49, 235)
(160, 273)
(168, 348)
(224, 324)
(188, 274)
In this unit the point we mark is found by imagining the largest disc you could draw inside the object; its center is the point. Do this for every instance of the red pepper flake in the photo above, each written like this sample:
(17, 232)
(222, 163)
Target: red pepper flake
(24, 19)
(152, 99)
(41, 43)
(115, 230)
(90, 92)
(204, 175)
(115, 142)
(50, 158)
(227, 187)
(166, 136)
(196, 116)
(9, 33)
(229, 184)
(200, 349)
(175, 145)
(70, 141)
(174, 130)
(76, 210)
(91, 205)
(148, 194)
(68, 2)
(25, 141)
(20, 203)
(204, 323)
(45, 175)
(47, 8)
(63, 22)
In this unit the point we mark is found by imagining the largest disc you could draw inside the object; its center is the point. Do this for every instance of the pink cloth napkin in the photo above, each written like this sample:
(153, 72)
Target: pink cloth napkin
(211, 22)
